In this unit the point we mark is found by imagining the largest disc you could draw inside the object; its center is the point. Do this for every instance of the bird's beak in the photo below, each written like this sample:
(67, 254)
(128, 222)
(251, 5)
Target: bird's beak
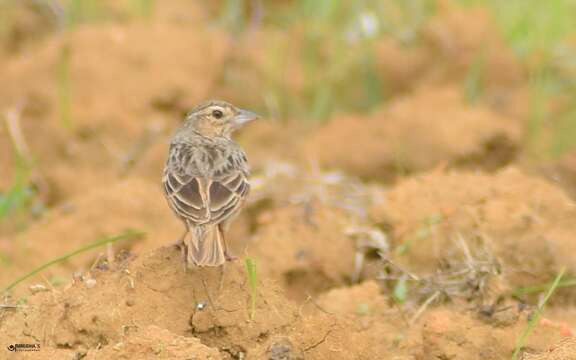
(244, 116)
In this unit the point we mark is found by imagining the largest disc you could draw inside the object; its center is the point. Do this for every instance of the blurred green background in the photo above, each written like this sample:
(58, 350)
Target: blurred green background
(307, 61)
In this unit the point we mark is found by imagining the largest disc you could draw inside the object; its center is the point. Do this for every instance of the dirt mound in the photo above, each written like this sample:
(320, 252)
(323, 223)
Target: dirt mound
(378, 327)
(155, 342)
(430, 128)
(24, 24)
(562, 171)
(451, 335)
(153, 290)
(291, 246)
(136, 204)
(457, 45)
(401, 67)
(69, 93)
(564, 350)
(460, 39)
(96, 93)
(163, 311)
(524, 221)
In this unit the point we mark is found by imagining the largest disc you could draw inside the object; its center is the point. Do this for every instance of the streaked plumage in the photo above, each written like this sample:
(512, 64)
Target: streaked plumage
(206, 179)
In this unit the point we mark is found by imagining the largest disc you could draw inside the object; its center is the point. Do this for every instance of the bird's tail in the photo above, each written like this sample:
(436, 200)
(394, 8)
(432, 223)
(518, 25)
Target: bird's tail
(204, 246)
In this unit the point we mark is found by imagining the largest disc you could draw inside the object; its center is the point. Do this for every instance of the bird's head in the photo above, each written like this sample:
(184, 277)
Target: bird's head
(217, 118)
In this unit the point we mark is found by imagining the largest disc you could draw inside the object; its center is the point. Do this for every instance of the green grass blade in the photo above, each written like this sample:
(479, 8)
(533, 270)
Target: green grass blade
(252, 283)
(108, 240)
(537, 314)
(473, 86)
(540, 288)
(400, 293)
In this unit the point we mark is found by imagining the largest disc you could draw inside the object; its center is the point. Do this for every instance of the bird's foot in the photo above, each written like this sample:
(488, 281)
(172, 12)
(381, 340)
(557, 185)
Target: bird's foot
(183, 254)
(230, 257)
(179, 244)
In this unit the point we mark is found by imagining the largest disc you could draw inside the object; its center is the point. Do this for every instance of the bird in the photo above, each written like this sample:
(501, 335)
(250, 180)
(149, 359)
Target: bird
(205, 180)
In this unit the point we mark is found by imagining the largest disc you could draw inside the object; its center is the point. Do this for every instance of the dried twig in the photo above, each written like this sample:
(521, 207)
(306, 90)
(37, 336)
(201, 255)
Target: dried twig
(12, 117)
(7, 306)
(423, 307)
(13, 124)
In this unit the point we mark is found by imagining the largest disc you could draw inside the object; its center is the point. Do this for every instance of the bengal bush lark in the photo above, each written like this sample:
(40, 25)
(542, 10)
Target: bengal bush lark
(206, 180)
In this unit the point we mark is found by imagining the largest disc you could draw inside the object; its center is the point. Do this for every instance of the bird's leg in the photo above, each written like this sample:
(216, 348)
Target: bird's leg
(221, 281)
(181, 244)
(227, 254)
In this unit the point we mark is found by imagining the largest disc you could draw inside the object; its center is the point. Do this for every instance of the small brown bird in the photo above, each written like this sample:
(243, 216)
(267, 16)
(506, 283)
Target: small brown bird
(206, 180)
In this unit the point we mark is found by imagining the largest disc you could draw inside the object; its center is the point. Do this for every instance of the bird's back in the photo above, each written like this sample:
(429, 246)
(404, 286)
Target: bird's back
(205, 179)
(211, 158)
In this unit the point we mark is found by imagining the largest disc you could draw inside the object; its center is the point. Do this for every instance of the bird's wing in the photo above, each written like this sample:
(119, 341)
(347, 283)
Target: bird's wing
(226, 195)
(204, 200)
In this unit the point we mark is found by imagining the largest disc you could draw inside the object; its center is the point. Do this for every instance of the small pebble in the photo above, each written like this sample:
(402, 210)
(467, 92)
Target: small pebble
(90, 283)
(77, 276)
(36, 288)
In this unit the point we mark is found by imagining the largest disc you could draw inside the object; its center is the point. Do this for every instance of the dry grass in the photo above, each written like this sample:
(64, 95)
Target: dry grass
(467, 276)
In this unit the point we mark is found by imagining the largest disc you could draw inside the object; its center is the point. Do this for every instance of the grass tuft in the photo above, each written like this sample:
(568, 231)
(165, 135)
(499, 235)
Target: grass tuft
(18, 196)
(21, 195)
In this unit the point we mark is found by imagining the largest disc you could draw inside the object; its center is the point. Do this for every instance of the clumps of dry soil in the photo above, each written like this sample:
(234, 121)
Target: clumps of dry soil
(130, 204)
(306, 261)
(524, 222)
(304, 248)
(430, 128)
(562, 172)
(563, 350)
(157, 343)
(459, 39)
(112, 122)
(155, 291)
(152, 307)
(451, 335)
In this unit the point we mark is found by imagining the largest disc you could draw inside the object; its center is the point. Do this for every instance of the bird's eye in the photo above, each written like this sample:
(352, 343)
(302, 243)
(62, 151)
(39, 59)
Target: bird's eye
(217, 114)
